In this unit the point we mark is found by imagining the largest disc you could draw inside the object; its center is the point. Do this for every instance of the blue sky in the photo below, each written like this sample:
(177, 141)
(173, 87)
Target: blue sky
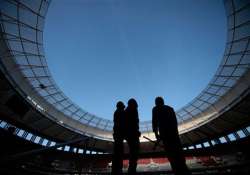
(102, 51)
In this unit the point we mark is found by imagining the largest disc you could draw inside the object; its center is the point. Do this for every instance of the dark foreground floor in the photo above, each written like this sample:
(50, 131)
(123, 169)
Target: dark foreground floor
(35, 170)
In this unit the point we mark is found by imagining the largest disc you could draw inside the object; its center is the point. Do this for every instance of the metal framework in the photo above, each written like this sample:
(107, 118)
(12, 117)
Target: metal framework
(24, 61)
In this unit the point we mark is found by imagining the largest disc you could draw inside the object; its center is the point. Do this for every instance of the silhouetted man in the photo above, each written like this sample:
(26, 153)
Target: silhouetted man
(132, 134)
(118, 135)
(165, 127)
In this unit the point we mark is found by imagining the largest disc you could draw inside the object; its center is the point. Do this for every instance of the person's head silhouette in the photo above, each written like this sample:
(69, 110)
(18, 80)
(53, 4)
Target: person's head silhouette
(132, 103)
(159, 101)
(120, 105)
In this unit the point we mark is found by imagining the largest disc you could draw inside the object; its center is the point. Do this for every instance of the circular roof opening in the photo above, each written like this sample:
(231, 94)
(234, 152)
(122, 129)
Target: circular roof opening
(100, 52)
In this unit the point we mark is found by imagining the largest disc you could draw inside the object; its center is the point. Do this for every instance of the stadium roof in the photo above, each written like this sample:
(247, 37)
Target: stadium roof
(22, 24)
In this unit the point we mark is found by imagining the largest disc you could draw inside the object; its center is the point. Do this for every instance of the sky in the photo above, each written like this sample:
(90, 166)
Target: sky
(103, 51)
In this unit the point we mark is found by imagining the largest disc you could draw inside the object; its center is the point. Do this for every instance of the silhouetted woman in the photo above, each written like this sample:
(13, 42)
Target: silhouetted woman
(118, 135)
(132, 134)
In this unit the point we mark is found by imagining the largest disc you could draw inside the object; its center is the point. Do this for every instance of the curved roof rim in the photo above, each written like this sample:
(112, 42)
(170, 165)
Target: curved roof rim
(22, 28)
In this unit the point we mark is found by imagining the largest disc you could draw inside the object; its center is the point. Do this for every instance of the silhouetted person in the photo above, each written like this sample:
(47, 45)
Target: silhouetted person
(118, 135)
(165, 127)
(132, 134)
